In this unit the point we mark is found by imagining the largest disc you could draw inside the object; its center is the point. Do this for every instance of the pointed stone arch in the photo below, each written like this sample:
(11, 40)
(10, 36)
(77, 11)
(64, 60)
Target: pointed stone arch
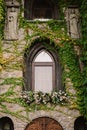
(36, 46)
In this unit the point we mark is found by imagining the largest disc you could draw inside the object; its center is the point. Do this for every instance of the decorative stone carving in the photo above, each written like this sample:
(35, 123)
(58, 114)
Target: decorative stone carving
(73, 22)
(11, 24)
(10, 3)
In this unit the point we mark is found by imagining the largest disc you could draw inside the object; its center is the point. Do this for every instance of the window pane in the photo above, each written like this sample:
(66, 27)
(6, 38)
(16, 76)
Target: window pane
(43, 78)
(43, 57)
(43, 13)
(42, 9)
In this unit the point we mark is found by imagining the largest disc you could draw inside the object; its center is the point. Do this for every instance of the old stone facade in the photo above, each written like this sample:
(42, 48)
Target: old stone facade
(14, 49)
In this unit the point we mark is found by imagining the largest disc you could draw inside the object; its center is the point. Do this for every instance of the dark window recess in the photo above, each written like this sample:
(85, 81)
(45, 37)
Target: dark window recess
(6, 124)
(37, 9)
(80, 123)
(42, 13)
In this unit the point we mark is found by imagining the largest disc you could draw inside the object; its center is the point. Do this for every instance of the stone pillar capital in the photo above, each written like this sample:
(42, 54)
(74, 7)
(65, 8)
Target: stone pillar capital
(12, 3)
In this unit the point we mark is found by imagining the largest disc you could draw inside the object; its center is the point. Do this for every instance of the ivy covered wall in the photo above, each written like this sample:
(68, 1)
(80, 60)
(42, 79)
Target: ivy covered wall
(2, 17)
(83, 43)
(65, 46)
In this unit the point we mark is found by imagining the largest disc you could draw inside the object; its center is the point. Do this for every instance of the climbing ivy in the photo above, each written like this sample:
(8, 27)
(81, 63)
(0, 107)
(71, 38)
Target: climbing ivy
(55, 31)
(2, 17)
(83, 90)
(69, 58)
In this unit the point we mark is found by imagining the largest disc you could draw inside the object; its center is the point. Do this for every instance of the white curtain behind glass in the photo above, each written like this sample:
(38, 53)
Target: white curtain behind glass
(43, 73)
(43, 57)
(43, 78)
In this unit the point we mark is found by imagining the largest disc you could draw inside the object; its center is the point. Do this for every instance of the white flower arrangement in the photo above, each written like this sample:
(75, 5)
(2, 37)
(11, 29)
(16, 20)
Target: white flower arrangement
(60, 97)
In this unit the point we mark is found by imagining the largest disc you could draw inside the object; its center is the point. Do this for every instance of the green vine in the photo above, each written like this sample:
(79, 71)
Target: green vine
(55, 31)
(83, 90)
(69, 58)
(2, 17)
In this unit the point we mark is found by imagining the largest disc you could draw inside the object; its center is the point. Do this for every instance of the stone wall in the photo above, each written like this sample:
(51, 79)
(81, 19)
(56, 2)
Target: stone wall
(65, 115)
(13, 54)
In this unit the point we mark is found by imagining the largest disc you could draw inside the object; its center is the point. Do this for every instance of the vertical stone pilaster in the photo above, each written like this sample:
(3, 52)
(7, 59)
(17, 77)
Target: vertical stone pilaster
(11, 23)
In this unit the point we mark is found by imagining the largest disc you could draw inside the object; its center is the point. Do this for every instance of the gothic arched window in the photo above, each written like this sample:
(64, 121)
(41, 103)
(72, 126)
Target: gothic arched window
(42, 70)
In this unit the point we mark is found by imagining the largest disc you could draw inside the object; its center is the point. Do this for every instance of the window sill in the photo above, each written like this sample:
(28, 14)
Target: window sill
(44, 20)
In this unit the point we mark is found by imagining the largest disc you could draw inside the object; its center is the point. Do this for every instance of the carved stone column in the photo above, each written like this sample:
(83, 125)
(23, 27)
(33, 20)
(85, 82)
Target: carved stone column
(73, 21)
(11, 22)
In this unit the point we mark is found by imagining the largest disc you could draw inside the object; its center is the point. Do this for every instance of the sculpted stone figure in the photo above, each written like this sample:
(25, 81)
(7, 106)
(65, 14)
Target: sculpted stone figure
(11, 24)
(74, 24)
